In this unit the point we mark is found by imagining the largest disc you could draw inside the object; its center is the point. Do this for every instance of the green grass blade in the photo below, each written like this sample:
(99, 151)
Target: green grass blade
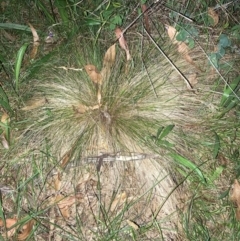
(165, 131)
(3, 94)
(62, 9)
(14, 26)
(216, 146)
(6, 106)
(37, 65)
(18, 64)
(188, 164)
(4, 101)
(46, 11)
(228, 91)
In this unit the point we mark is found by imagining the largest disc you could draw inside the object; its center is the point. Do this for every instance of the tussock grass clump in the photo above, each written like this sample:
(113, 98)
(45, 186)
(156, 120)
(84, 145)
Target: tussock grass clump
(100, 148)
(65, 113)
(64, 109)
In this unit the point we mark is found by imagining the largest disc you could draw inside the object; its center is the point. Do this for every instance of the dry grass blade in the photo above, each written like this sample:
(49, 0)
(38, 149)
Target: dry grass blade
(33, 104)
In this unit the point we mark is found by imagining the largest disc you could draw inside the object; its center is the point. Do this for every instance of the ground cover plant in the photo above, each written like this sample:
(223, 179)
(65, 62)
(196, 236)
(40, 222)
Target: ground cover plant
(119, 120)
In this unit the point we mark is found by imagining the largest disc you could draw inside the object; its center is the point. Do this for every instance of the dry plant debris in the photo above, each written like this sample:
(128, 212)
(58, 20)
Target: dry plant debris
(11, 225)
(182, 47)
(235, 197)
(118, 201)
(93, 73)
(5, 119)
(36, 42)
(212, 13)
(122, 42)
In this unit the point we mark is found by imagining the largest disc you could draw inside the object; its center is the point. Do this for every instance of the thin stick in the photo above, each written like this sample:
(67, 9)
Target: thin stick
(173, 65)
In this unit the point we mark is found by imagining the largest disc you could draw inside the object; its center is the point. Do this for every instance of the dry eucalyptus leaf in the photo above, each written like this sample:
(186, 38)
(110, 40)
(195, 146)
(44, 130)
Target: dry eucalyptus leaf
(212, 13)
(9, 223)
(4, 142)
(172, 32)
(35, 42)
(110, 56)
(64, 203)
(122, 42)
(108, 62)
(5, 118)
(235, 197)
(80, 109)
(132, 224)
(183, 49)
(34, 33)
(26, 229)
(93, 73)
(118, 201)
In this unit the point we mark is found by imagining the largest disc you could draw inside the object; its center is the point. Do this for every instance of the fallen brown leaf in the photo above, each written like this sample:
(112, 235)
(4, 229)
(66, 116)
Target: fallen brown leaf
(122, 42)
(108, 62)
(26, 229)
(64, 203)
(5, 119)
(183, 49)
(93, 73)
(212, 13)
(235, 197)
(80, 109)
(172, 32)
(35, 42)
(9, 222)
(132, 224)
(4, 141)
(110, 56)
(34, 33)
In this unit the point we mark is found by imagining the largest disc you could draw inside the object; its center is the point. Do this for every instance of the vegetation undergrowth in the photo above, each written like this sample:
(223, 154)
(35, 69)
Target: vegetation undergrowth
(74, 95)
